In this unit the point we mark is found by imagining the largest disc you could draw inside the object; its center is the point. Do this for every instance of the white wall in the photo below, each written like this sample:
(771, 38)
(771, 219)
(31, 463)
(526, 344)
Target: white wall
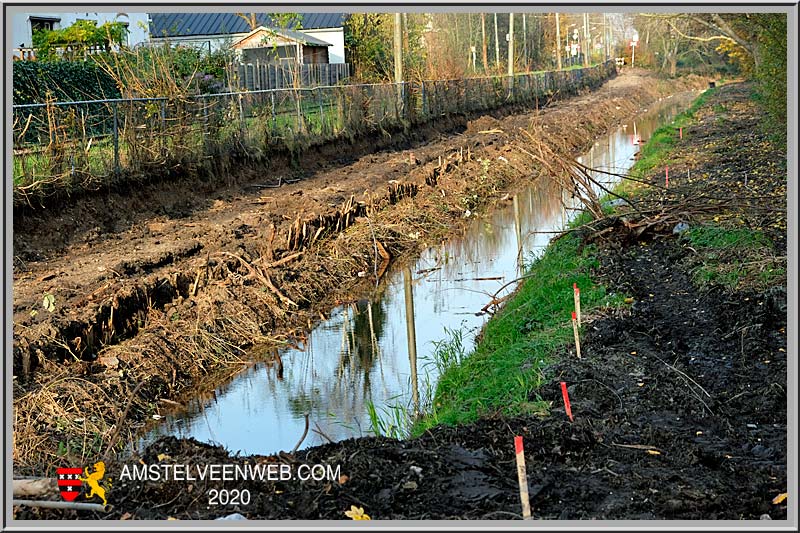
(335, 36)
(21, 25)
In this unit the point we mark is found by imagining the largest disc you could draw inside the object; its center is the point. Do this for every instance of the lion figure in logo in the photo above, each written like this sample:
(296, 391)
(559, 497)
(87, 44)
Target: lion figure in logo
(94, 479)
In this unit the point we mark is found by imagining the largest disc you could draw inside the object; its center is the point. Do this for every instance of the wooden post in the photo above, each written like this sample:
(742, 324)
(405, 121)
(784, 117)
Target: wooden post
(577, 337)
(577, 295)
(522, 476)
(518, 231)
(567, 406)
(116, 139)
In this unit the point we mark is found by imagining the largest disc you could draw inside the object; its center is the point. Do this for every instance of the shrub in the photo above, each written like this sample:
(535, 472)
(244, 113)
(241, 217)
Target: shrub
(36, 81)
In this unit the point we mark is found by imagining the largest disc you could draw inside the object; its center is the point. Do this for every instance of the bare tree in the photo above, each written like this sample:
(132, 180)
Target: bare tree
(250, 18)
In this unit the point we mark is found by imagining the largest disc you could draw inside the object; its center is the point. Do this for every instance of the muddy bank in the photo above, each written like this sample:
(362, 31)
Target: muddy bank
(157, 303)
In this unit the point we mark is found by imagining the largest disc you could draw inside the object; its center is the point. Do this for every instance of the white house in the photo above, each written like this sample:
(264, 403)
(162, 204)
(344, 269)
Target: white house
(320, 34)
(24, 24)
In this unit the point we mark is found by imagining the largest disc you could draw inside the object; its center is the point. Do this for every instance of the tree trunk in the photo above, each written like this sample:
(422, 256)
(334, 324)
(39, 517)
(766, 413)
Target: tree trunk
(484, 49)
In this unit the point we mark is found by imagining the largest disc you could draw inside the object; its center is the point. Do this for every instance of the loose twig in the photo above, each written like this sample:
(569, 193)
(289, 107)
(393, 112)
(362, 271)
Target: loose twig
(305, 432)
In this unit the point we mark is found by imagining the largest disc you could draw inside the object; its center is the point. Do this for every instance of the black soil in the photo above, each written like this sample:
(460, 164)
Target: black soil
(679, 404)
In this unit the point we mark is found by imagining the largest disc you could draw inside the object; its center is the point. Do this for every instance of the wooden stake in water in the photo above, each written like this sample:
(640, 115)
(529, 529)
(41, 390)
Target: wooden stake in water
(522, 474)
(411, 332)
(577, 296)
(577, 338)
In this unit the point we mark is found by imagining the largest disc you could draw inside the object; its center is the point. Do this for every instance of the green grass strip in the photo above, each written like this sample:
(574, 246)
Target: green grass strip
(504, 371)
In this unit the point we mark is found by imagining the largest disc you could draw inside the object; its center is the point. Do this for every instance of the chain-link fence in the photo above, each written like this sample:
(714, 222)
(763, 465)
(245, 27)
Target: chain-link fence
(69, 145)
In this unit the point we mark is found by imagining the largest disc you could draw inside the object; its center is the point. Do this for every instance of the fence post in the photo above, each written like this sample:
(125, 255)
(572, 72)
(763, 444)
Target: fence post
(272, 110)
(241, 114)
(204, 103)
(116, 139)
(297, 105)
(321, 116)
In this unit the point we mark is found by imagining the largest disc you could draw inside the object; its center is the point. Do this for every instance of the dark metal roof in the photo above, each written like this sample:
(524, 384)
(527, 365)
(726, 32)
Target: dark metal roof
(188, 24)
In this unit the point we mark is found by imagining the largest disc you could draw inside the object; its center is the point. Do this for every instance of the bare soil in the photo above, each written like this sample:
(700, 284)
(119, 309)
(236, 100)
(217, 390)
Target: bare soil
(159, 290)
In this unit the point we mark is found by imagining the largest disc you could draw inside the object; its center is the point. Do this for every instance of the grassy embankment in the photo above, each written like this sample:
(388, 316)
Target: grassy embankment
(504, 371)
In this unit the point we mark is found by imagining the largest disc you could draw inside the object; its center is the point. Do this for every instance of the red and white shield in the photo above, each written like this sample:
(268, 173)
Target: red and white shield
(69, 482)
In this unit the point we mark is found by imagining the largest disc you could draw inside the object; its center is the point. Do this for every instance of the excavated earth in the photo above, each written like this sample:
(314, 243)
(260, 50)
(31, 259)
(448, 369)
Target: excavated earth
(679, 400)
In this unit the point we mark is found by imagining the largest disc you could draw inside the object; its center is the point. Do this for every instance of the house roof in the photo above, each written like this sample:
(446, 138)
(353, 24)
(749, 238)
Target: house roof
(289, 35)
(189, 24)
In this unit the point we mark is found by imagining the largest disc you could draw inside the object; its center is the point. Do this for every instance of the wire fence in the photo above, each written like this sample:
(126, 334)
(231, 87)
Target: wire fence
(89, 144)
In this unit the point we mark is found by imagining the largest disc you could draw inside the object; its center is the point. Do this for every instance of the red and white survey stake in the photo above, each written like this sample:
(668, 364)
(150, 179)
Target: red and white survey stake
(522, 474)
(680, 132)
(577, 338)
(577, 296)
(565, 395)
(666, 176)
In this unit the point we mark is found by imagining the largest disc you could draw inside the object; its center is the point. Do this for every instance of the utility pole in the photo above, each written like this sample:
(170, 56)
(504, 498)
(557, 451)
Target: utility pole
(472, 48)
(558, 41)
(525, 39)
(496, 45)
(483, 44)
(611, 51)
(511, 51)
(398, 60)
(398, 48)
(405, 34)
(586, 45)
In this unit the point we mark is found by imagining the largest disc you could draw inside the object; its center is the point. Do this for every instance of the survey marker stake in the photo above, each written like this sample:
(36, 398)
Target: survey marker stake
(666, 176)
(567, 406)
(577, 338)
(577, 295)
(523, 478)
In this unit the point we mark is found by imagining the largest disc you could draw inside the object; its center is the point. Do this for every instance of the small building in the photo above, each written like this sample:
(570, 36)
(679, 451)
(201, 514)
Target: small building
(24, 24)
(268, 45)
(318, 39)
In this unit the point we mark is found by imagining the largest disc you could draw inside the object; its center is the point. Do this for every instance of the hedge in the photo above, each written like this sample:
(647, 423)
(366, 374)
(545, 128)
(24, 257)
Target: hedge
(64, 80)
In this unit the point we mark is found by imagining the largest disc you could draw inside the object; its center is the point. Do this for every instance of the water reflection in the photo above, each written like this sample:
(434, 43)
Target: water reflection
(360, 354)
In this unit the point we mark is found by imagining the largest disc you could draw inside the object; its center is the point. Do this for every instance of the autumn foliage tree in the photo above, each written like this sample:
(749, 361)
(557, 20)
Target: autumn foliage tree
(754, 42)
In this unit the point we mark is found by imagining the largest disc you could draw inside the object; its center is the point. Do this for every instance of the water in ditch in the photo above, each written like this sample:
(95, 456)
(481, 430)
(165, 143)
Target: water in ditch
(358, 359)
